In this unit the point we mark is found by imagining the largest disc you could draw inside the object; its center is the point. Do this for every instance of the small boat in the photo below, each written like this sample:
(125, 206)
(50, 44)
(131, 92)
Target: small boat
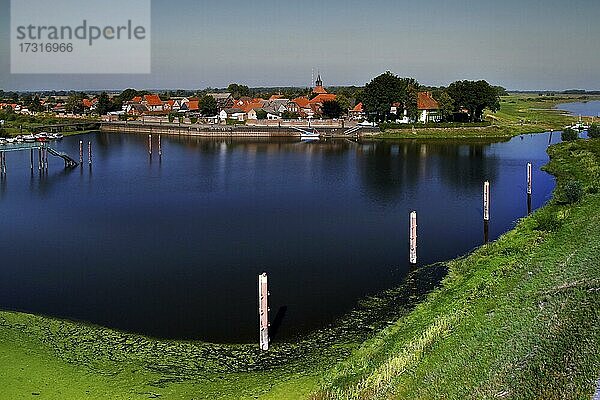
(11, 140)
(310, 136)
(29, 139)
(2, 141)
(55, 136)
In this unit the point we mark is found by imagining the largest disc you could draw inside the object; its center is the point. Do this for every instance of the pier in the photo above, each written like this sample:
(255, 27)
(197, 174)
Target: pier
(42, 148)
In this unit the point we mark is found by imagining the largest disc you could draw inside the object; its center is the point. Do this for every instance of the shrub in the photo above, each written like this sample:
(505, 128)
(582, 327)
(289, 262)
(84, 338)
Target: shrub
(569, 135)
(171, 118)
(193, 120)
(594, 131)
(573, 192)
(547, 221)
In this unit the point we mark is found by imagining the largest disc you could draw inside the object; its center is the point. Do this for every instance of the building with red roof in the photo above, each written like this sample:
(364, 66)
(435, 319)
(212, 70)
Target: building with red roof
(428, 107)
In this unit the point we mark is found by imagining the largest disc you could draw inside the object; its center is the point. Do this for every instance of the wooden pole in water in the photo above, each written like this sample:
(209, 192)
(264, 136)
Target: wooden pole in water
(80, 152)
(263, 311)
(150, 144)
(486, 210)
(31, 159)
(529, 186)
(159, 147)
(90, 153)
(413, 237)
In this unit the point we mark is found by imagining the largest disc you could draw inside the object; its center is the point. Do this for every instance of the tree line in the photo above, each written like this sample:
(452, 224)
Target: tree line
(460, 101)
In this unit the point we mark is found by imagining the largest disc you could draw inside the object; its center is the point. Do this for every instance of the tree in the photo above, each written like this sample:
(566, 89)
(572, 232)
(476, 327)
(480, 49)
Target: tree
(261, 114)
(501, 91)
(343, 101)
(475, 97)
(104, 105)
(569, 134)
(445, 102)
(387, 89)
(238, 91)
(289, 115)
(74, 103)
(594, 131)
(35, 104)
(208, 106)
(331, 109)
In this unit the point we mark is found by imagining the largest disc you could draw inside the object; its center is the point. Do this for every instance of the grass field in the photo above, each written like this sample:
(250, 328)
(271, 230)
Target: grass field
(519, 114)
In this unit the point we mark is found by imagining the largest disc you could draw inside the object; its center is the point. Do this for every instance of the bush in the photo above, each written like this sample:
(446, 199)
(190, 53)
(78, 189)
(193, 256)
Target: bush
(594, 131)
(573, 192)
(547, 220)
(193, 120)
(569, 135)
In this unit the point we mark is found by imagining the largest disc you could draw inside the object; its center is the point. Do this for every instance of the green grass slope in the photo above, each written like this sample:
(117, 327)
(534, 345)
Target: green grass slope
(517, 319)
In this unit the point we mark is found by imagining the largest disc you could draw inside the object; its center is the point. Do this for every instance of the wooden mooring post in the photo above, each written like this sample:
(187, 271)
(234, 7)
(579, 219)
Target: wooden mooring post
(413, 237)
(529, 187)
(31, 159)
(486, 211)
(2, 163)
(150, 144)
(81, 153)
(263, 311)
(90, 153)
(159, 146)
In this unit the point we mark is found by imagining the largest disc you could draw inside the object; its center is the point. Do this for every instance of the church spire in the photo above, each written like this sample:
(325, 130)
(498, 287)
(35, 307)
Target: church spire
(319, 82)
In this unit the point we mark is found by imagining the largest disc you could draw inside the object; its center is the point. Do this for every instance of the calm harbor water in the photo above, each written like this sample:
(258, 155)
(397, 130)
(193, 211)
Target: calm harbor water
(172, 248)
(588, 108)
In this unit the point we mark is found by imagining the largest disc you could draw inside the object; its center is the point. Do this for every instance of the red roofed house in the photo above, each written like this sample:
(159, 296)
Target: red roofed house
(429, 109)
(153, 103)
(357, 112)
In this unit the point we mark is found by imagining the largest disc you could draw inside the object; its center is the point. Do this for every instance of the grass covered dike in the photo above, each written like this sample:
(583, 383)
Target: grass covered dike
(517, 318)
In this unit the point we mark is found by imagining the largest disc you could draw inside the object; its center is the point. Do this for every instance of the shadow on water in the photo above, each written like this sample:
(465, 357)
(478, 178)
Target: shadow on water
(277, 321)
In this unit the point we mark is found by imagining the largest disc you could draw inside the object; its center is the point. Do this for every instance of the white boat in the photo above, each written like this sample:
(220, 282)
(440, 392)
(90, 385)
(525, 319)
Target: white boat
(11, 140)
(310, 136)
(29, 138)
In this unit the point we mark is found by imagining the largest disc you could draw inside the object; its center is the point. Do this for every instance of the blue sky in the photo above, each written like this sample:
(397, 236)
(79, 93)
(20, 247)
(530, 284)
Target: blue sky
(527, 44)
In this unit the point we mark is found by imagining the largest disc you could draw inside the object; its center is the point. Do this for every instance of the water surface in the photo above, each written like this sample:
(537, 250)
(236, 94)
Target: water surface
(588, 108)
(172, 248)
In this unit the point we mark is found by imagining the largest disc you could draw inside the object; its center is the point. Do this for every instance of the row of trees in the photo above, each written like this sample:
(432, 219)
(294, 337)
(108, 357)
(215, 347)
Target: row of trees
(466, 99)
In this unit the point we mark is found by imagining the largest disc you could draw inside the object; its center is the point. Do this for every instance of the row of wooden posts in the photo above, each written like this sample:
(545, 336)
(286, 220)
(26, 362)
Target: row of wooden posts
(263, 291)
(150, 146)
(81, 153)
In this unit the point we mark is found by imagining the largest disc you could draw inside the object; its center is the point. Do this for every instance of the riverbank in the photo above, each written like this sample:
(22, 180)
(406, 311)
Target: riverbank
(517, 319)
(519, 114)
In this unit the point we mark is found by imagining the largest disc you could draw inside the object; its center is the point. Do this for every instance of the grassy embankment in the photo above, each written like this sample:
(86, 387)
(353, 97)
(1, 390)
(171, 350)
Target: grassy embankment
(519, 114)
(517, 319)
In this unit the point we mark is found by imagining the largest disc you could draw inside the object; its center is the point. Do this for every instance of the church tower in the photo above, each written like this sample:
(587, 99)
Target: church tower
(319, 89)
